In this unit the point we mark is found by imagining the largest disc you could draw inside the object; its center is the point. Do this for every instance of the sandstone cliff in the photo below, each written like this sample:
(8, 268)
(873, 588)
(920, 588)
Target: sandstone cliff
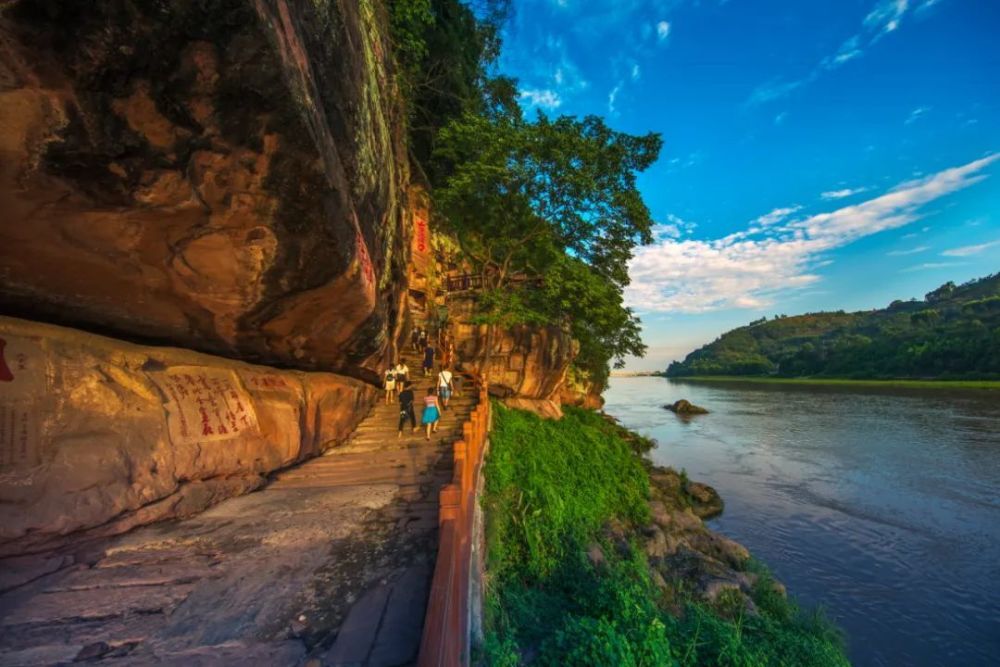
(527, 361)
(98, 435)
(226, 176)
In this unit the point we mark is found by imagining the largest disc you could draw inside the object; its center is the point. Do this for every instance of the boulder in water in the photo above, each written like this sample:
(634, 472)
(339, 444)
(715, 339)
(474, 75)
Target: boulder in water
(685, 407)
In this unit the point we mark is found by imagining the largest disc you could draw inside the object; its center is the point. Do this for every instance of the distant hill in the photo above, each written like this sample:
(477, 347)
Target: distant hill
(953, 333)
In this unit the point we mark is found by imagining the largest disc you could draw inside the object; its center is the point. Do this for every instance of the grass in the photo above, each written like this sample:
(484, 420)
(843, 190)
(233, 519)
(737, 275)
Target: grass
(908, 384)
(553, 488)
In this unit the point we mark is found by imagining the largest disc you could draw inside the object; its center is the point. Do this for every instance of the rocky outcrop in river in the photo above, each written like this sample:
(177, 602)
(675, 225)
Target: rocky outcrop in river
(686, 557)
(684, 407)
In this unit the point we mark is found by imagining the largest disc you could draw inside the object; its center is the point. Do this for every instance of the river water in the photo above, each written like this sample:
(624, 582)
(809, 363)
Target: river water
(882, 506)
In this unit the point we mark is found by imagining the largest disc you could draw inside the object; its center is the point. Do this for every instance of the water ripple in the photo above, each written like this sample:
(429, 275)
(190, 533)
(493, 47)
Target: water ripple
(881, 506)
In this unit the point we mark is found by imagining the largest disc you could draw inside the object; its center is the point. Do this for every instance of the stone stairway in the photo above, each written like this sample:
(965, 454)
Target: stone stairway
(329, 564)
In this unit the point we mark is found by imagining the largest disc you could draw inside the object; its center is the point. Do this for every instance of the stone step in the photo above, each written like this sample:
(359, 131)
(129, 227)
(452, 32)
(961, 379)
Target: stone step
(447, 423)
(92, 604)
(331, 478)
(446, 419)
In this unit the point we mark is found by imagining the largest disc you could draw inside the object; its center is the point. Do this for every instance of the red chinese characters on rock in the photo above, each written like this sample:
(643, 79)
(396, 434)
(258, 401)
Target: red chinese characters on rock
(5, 373)
(22, 391)
(266, 381)
(205, 404)
(18, 433)
(365, 261)
(420, 235)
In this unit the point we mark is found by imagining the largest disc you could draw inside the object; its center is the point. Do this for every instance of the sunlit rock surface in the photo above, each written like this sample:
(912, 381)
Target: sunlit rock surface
(526, 361)
(225, 176)
(99, 435)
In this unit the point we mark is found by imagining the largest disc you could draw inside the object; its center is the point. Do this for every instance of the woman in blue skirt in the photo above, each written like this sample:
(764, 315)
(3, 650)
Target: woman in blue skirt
(431, 415)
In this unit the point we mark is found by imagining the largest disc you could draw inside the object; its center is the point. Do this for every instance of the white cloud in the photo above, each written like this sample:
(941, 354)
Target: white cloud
(546, 99)
(886, 15)
(747, 269)
(673, 228)
(611, 99)
(968, 250)
(774, 90)
(662, 30)
(692, 159)
(776, 215)
(916, 114)
(911, 251)
(636, 72)
(666, 231)
(780, 118)
(849, 50)
(551, 76)
(841, 194)
(930, 266)
(883, 18)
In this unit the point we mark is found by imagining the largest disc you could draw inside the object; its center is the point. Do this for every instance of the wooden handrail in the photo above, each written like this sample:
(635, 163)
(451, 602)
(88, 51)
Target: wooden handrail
(446, 637)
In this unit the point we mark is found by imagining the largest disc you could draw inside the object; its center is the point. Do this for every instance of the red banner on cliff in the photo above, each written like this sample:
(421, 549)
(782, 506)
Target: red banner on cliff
(421, 246)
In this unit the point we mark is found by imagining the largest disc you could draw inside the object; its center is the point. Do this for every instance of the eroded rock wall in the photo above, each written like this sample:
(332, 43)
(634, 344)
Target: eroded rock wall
(581, 390)
(226, 176)
(98, 436)
(526, 361)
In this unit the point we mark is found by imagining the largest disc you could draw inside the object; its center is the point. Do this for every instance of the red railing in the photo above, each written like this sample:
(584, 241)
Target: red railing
(446, 639)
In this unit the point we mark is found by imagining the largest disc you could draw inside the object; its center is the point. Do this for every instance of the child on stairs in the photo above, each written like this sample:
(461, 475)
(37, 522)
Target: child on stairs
(431, 415)
(406, 399)
(390, 384)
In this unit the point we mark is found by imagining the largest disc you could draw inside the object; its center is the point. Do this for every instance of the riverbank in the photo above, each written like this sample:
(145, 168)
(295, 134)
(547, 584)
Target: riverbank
(989, 385)
(597, 557)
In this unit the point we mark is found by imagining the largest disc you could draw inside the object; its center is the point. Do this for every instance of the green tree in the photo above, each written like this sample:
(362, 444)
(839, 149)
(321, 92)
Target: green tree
(552, 198)
(444, 49)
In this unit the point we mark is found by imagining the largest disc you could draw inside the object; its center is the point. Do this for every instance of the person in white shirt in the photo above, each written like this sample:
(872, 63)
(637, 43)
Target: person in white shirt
(390, 384)
(444, 387)
(402, 372)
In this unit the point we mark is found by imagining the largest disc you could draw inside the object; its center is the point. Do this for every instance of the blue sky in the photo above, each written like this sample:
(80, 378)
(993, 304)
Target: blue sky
(818, 154)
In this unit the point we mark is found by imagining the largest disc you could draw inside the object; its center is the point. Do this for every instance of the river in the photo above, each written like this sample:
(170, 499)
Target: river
(882, 506)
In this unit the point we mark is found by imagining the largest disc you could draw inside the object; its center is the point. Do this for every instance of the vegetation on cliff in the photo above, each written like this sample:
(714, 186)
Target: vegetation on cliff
(953, 333)
(525, 198)
(572, 577)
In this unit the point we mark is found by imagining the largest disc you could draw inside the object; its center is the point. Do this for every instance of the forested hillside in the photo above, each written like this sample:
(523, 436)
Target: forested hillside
(954, 333)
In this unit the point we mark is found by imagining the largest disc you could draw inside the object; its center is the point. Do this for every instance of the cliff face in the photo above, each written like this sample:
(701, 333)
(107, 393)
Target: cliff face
(526, 361)
(581, 391)
(228, 177)
(100, 436)
(224, 176)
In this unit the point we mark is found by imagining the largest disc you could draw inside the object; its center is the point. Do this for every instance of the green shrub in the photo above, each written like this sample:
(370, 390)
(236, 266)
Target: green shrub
(552, 489)
(556, 483)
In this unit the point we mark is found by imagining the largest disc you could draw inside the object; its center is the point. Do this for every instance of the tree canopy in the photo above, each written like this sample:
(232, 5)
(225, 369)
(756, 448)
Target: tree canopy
(553, 199)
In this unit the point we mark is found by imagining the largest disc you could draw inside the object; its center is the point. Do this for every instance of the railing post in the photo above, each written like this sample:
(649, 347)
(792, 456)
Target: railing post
(474, 420)
(449, 499)
(446, 637)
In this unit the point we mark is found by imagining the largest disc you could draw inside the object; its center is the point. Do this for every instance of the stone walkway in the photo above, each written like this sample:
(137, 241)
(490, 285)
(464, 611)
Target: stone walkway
(329, 564)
